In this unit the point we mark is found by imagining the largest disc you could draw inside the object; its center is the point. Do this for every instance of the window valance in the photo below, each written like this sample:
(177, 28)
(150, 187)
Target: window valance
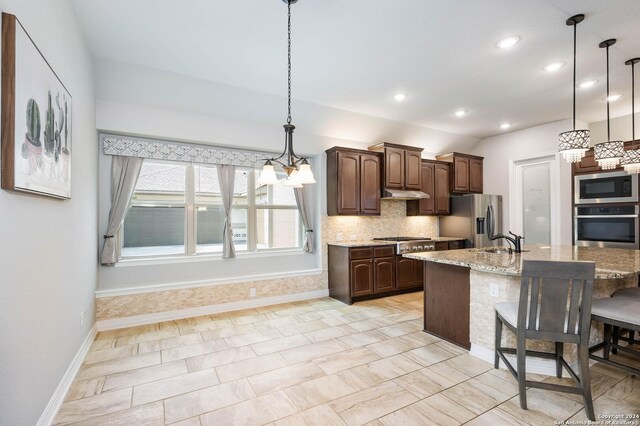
(128, 146)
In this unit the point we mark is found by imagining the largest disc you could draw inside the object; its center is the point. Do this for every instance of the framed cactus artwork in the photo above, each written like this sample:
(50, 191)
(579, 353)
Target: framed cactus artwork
(36, 118)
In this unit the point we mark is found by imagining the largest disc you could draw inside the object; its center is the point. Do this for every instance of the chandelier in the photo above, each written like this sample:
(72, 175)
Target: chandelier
(297, 168)
(574, 143)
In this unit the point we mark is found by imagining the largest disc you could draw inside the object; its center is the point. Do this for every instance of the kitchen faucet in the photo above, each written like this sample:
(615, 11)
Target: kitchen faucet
(516, 240)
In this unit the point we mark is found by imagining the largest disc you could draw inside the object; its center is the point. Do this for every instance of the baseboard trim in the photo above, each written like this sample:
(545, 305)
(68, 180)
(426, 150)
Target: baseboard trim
(534, 365)
(154, 288)
(112, 324)
(49, 413)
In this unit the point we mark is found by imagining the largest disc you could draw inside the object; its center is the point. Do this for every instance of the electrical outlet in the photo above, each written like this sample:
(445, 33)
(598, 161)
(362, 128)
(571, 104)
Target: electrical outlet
(494, 289)
(353, 237)
(81, 318)
(252, 292)
(339, 236)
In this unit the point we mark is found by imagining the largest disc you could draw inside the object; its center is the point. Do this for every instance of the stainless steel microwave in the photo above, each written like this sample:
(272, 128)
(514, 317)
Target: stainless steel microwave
(613, 187)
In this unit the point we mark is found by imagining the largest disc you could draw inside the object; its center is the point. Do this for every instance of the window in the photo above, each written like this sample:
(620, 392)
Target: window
(177, 210)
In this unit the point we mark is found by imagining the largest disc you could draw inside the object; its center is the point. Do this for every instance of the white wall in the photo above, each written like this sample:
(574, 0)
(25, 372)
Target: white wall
(47, 256)
(620, 129)
(146, 102)
(499, 151)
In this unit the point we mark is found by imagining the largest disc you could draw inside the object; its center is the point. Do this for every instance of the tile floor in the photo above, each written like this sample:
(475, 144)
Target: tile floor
(317, 362)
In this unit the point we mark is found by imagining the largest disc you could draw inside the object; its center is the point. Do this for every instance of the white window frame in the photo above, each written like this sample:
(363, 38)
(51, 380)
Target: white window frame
(190, 220)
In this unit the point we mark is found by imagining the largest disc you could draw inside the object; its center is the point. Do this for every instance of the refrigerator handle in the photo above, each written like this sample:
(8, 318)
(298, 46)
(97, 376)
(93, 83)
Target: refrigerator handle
(490, 223)
(480, 225)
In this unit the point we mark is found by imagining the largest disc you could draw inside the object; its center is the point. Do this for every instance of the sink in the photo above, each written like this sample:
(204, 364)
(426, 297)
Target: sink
(497, 250)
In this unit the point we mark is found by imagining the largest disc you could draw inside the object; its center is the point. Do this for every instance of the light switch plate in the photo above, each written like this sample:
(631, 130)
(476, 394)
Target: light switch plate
(494, 289)
(339, 236)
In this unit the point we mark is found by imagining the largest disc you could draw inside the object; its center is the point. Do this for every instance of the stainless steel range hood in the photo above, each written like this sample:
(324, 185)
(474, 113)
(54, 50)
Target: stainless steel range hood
(399, 194)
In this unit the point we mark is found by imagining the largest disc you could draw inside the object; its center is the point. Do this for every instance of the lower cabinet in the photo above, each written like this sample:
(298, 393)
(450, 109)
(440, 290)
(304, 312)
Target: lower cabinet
(409, 273)
(367, 272)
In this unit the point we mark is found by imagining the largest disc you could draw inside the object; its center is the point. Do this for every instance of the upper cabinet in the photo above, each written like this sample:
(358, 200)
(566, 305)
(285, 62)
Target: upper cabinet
(402, 166)
(435, 182)
(353, 182)
(466, 173)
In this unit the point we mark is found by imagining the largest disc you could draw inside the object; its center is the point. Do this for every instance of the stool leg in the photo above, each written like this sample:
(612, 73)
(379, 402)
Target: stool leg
(498, 342)
(559, 353)
(585, 380)
(607, 341)
(632, 340)
(522, 373)
(615, 338)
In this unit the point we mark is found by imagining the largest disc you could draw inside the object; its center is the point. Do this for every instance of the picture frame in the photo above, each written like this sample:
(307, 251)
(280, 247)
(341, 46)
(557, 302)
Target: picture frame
(36, 114)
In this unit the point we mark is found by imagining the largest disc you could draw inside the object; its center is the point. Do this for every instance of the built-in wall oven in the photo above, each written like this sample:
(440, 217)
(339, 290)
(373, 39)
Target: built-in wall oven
(613, 226)
(614, 187)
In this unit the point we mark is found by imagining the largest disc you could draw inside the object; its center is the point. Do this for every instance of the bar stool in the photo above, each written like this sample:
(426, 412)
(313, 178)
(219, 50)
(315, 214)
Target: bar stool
(625, 292)
(620, 312)
(554, 305)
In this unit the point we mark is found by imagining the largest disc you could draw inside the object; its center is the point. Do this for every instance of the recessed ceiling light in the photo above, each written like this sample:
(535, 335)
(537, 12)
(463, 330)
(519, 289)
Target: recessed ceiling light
(460, 113)
(555, 66)
(587, 84)
(508, 42)
(613, 97)
(399, 97)
(505, 126)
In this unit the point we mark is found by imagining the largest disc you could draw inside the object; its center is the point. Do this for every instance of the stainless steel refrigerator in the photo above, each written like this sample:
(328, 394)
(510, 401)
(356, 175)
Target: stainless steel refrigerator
(469, 219)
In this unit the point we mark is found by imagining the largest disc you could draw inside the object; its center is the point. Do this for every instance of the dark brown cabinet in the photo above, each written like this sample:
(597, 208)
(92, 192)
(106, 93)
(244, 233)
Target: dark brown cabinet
(406, 272)
(466, 172)
(435, 182)
(361, 277)
(402, 166)
(384, 274)
(353, 182)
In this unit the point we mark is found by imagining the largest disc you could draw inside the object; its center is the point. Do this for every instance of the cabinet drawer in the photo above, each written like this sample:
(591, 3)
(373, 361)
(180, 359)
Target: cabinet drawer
(361, 253)
(383, 251)
(442, 245)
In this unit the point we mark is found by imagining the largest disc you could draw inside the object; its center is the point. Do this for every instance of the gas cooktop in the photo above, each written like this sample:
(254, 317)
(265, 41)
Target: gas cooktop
(410, 244)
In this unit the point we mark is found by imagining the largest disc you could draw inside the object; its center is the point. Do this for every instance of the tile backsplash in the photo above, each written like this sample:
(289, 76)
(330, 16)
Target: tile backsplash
(393, 222)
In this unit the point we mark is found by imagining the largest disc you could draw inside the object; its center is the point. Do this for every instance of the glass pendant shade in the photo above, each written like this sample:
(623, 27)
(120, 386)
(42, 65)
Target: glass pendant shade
(305, 175)
(293, 180)
(268, 175)
(631, 161)
(609, 154)
(573, 145)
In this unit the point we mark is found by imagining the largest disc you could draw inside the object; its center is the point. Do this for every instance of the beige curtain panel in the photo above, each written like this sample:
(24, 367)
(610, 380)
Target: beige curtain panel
(307, 218)
(227, 177)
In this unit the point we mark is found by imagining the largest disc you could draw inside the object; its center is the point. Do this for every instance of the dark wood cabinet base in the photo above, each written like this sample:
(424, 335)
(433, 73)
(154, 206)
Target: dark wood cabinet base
(446, 302)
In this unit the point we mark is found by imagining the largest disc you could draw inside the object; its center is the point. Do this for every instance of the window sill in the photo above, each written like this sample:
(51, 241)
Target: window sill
(208, 257)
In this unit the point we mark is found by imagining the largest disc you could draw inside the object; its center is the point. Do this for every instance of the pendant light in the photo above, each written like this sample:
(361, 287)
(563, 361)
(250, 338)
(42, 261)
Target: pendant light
(608, 154)
(574, 143)
(298, 169)
(631, 158)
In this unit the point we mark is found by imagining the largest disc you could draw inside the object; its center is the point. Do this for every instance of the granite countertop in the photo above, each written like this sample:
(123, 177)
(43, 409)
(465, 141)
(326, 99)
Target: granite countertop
(610, 263)
(365, 243)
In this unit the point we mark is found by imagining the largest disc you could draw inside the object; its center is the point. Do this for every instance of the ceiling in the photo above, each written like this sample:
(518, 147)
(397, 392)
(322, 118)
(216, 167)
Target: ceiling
(354, 55)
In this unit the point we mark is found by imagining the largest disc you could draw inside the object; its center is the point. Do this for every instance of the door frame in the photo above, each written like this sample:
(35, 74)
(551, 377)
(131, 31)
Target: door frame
(515, 196)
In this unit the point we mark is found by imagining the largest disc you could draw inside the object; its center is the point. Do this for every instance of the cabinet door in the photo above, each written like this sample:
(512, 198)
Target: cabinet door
(361, 277)
(394, 168)
(419, 272)
(348, 183)
(442, 245)
(460, 174)
(427, 205)
(369, 184)
(405, 272)
(475, 175)
(384, 274)
(442, 193)
(412, 170)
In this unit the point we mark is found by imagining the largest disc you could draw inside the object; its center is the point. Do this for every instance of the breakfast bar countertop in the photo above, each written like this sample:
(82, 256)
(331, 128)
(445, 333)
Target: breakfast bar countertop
(611, 263)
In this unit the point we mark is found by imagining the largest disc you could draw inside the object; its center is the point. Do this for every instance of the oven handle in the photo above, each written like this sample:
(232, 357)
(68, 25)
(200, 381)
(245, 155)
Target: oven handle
(621, 216)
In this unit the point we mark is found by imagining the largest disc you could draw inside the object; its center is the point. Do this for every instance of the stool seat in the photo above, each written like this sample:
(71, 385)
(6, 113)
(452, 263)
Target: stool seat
(628, 292)
(621, 309)
(508, 311)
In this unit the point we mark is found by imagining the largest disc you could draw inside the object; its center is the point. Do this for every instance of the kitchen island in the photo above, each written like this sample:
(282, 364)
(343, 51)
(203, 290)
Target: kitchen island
(463, 286)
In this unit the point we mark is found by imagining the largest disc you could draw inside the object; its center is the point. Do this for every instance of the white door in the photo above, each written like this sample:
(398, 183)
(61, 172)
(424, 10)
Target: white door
(534, 207)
